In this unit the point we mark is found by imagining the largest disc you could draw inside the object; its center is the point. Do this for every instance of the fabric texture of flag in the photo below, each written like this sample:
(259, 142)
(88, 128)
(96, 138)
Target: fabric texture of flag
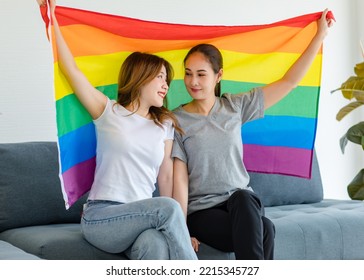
(254, 55)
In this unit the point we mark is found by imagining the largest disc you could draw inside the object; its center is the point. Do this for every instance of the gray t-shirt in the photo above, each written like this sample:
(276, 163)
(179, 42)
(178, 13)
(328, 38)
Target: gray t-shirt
(212, 147)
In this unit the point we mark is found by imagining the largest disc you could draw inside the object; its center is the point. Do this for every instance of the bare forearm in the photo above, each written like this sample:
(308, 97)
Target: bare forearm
(275, 91)
(180, 184)
(181, 195)
(165, 187)
(93, 100)
(299, 69)
(65, 58)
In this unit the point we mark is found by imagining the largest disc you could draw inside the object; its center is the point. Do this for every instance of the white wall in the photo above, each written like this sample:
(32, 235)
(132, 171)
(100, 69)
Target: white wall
(26, 97)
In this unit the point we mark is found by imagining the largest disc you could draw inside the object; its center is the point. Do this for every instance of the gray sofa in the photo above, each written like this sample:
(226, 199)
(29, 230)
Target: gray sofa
(34, 223)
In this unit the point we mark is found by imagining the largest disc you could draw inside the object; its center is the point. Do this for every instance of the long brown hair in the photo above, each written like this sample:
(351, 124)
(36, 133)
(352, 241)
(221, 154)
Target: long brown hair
(137, 70)
(213, 55)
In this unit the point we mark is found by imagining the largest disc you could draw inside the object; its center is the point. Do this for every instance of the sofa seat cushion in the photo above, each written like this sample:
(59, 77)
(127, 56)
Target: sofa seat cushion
(330, 229)
(65, 241)
(10, 252)
(206, 252)
(56, 242)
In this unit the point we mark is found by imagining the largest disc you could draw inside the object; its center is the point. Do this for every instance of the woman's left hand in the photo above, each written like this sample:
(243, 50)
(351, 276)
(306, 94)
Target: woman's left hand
(195, 243)
(324, 23)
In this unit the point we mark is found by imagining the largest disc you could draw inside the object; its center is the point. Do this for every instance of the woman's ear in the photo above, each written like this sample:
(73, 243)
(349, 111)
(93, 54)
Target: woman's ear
(219, 75)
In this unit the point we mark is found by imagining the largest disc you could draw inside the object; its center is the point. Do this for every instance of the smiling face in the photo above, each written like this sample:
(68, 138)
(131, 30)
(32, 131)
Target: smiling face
(143, 78)
(200, 78)
(154, 92)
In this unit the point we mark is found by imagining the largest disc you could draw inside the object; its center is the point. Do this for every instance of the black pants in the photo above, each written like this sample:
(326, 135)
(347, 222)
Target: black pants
(238, 225)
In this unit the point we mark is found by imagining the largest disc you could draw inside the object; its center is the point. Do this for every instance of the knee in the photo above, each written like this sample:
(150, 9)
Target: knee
(170, 205)
(149, 245)
(269, 228)
(245, 198)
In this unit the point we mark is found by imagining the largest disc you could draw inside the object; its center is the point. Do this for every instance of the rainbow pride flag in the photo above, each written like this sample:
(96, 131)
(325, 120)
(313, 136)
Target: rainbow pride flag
(281, 143)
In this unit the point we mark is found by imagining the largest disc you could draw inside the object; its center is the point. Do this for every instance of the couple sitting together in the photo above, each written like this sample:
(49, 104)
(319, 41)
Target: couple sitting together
(204, 186)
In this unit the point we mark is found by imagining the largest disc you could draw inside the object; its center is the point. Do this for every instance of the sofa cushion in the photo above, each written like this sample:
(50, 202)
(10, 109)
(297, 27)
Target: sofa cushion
(206, 252)
(330, 230)
(275, 189)
(10, 252)
(30, 191)
(56, 242)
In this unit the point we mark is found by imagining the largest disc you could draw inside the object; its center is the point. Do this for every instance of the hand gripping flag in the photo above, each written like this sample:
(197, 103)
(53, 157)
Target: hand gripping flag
(281, 143)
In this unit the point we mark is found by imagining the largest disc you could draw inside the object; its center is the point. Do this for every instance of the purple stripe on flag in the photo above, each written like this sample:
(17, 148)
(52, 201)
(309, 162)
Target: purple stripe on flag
(78, 179)
(278, 160)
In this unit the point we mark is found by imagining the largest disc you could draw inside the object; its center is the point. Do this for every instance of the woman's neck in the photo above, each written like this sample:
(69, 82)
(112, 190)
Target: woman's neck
(139, 110)
(201, 107)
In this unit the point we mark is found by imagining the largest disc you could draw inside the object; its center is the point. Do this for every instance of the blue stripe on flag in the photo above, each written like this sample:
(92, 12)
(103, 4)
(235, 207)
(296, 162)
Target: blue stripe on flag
(77, 146)
(286, 131)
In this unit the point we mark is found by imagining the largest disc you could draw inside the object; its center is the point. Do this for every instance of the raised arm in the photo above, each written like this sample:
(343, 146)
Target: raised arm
(277, 90)
(93, 100)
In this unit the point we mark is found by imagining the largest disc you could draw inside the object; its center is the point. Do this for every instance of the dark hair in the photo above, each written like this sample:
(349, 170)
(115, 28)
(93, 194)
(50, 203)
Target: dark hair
(137, 70)
(213, 55)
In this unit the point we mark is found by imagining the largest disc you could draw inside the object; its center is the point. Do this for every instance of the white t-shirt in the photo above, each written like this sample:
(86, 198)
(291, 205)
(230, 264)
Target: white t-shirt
(130, 150)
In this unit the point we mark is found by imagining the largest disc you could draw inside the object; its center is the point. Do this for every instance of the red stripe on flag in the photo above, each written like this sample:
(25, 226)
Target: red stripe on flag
(141, 29)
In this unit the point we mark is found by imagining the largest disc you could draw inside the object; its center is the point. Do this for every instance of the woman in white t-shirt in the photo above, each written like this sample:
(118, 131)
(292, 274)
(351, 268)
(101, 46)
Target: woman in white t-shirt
(134, 143)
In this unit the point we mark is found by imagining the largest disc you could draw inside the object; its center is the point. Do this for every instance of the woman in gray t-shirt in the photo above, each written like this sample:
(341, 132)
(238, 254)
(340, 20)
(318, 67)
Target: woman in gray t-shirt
(210, 179)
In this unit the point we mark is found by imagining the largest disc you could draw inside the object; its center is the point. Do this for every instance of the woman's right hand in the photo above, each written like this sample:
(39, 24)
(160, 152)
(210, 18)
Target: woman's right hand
(42, 2)
(195, 243)
(52, 4)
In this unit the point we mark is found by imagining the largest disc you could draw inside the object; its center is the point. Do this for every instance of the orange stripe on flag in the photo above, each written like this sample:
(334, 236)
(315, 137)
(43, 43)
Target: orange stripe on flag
(86, 40)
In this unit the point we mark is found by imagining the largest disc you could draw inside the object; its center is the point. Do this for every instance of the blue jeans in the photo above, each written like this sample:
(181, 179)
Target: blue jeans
(153, 228)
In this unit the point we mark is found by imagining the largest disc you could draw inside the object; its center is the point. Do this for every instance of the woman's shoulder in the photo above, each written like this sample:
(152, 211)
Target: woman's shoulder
(240, 97)
(167, 123)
